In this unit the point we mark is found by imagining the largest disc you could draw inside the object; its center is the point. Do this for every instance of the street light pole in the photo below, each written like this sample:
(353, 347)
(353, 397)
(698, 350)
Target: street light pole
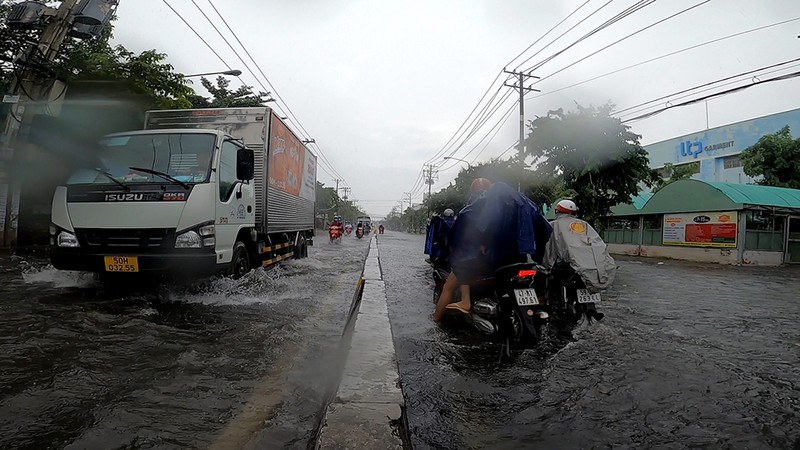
(234, 73)
(459, 159)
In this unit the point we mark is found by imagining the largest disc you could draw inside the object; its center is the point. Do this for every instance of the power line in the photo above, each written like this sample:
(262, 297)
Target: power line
(545, 35)
(319, 152)
(625, 37)
(697, 90)
(564, 33)
(738, 75)
(717, 94)
(627, 12)
(275, 91)
(665, 56)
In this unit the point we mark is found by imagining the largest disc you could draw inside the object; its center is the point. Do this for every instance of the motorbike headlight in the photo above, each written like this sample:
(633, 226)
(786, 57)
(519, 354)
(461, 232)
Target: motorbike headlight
(189, 239)
(66, 239)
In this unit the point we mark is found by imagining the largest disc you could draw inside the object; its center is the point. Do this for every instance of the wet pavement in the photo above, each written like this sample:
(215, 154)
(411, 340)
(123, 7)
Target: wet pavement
(224, 364)
(688, 356)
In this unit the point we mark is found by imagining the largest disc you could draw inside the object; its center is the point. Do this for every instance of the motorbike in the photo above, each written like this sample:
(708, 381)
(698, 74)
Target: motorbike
(335, 234)
(569, 300)
(509, 306)
(348, 230)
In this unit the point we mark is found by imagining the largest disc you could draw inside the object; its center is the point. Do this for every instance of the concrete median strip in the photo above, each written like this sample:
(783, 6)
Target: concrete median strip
(367, 410)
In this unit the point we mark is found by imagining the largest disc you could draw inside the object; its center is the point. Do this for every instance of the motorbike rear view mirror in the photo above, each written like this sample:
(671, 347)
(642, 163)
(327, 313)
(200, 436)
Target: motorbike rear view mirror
(245, 164)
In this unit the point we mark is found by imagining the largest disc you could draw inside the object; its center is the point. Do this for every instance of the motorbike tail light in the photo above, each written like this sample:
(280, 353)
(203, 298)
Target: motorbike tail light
(526, 273)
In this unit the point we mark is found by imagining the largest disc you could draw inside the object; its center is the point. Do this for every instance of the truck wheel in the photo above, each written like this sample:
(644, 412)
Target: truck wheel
(240, 263)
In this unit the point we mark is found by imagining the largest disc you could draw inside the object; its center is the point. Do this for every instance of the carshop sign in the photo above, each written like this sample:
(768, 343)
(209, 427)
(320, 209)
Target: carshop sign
(717, 229)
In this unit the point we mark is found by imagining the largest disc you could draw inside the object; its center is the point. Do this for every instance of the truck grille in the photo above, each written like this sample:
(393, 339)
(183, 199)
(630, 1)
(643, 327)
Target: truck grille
(126, 240)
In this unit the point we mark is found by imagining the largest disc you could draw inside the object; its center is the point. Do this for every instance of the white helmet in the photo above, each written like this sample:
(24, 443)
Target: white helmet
(449, 213)
(566, 207)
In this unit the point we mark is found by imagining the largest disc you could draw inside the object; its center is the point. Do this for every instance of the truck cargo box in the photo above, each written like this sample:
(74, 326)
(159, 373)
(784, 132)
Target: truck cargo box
(286, 171)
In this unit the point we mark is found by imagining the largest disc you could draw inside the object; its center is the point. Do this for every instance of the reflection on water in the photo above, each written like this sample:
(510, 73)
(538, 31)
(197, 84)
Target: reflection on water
(688, 356)
(88, 364)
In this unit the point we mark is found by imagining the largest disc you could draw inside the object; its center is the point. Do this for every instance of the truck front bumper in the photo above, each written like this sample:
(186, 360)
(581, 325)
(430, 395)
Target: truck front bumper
(191, 263)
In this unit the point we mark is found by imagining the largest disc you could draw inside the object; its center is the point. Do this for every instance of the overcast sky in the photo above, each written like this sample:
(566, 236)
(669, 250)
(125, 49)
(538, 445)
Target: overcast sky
(383, 85)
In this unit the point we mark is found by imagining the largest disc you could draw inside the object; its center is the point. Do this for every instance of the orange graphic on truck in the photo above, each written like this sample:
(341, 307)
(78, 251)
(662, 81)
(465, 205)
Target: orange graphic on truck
(286, 159)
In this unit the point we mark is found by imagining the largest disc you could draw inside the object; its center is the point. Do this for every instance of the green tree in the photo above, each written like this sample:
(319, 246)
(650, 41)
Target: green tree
(595, 156)
(223, 97)
(672, 173)
(330, 204)
(776, 158)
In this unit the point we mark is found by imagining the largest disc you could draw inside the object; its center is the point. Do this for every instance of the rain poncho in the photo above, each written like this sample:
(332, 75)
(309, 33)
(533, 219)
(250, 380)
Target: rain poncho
(575, 241)
(505, 223)
(437, 239)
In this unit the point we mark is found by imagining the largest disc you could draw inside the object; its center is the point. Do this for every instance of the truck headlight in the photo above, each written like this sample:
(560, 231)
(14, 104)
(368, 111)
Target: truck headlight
(66, 239)
(207, 230)
(190, 239)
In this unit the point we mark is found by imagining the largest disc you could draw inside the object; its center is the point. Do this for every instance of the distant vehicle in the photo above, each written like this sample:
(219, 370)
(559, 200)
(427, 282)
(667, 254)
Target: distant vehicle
(190, 194)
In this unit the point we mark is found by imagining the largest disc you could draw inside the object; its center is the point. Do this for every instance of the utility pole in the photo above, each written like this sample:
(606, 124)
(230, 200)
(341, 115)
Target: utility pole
(34, 90)
(346, 193)
(431, 175)
(520, 85)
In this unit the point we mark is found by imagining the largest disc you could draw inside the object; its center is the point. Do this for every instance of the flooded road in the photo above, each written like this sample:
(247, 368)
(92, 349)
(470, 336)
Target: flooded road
(228, 364)
(688, 356)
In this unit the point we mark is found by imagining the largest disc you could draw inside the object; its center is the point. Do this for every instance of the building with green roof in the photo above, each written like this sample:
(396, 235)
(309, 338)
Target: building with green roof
(710, 221)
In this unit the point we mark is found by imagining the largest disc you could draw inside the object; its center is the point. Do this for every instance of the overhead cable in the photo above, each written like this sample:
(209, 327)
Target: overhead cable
(623, 39)
(553, 91)
(274, 91)
(716, 94)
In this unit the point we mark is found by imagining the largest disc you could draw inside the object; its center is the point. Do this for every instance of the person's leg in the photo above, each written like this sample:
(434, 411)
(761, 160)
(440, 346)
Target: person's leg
(448, 292)
(465, 305)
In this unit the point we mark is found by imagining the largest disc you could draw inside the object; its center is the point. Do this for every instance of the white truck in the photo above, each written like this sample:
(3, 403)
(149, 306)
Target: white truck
(198, 192)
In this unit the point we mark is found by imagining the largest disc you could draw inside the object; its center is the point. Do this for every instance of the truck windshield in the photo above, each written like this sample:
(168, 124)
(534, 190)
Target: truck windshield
(185, 157)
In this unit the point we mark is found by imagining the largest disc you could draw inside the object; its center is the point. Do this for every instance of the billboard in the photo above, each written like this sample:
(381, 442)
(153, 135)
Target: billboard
(712, 229)
(292, 169)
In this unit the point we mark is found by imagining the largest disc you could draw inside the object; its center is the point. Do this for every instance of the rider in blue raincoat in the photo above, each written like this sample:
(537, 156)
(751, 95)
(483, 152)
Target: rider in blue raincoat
(499, 226)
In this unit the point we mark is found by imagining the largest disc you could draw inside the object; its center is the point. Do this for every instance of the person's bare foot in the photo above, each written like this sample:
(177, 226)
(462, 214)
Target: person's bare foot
(460, 307)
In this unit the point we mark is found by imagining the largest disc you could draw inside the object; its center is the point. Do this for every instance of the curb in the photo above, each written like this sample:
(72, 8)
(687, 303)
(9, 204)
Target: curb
(367, 410)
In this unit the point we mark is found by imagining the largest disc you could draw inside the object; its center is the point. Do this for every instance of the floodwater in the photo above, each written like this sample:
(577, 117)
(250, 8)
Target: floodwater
(222, 364)
(688, 356)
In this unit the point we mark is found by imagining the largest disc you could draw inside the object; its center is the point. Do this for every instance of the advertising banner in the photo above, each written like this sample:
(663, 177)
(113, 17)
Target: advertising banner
(286, 159)
(712, 229)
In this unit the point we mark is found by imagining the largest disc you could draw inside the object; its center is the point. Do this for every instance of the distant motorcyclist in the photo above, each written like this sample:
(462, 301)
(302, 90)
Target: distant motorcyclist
(336, 228)
(576, 246)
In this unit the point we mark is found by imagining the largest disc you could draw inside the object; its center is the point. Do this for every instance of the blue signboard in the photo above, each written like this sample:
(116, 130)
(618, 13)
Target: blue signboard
(708, 145)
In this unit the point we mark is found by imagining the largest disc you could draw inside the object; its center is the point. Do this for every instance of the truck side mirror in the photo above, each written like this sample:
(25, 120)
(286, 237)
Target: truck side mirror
(245, 164)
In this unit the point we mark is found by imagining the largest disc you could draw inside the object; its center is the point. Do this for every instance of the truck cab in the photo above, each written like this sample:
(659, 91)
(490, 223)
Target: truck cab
(158, 201)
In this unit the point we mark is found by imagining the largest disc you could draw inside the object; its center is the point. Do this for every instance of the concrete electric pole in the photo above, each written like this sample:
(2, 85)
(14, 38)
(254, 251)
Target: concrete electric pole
(28, 89)
(520, 86)
(431, 175)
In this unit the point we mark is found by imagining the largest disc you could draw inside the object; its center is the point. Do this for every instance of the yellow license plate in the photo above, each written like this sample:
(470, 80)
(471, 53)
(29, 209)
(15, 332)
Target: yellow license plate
(121, 263)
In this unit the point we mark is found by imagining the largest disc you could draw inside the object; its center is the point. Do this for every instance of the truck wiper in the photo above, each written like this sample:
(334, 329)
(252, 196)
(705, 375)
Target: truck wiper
(111, 177)
(162, 175)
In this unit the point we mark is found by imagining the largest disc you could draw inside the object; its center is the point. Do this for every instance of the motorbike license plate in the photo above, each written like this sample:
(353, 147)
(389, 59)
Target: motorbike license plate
(121, 263)
(585, 297)
(526, 297)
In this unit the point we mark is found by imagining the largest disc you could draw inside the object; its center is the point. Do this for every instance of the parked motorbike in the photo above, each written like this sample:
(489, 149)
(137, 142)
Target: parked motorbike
(510, 306)
(569, 300)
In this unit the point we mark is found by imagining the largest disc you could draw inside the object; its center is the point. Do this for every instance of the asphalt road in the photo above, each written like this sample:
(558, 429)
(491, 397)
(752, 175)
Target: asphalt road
(688, 356)
(222, 364)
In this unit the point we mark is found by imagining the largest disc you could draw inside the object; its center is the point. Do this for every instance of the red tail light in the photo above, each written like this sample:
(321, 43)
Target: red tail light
(526, 273)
